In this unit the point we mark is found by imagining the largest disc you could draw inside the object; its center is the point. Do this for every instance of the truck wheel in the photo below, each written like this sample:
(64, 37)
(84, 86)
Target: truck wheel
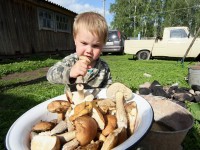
(143, 55)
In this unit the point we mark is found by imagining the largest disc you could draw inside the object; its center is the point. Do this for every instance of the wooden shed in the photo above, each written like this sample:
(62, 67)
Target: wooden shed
(34, 26)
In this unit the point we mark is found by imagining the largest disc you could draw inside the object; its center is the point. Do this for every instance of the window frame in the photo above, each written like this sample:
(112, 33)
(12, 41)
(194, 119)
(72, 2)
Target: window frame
(181, 33)
(65, 21)
(41, 20)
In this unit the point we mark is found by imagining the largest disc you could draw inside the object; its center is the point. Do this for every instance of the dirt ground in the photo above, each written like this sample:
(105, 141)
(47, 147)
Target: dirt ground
(30, 75)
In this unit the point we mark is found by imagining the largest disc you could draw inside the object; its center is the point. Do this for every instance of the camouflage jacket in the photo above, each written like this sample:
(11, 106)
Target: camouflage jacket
(99, 76)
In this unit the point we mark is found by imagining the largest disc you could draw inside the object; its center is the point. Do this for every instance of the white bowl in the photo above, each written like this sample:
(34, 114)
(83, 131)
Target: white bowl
(17, 136)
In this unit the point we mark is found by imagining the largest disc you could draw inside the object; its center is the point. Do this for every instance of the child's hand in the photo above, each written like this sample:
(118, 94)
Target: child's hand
(80, 67)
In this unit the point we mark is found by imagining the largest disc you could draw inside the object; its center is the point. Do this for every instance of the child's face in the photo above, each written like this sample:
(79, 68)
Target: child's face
(88, 44)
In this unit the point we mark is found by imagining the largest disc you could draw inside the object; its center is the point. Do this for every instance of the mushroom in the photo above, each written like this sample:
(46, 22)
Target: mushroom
(45, 142)
(80, 89)
(95, 92)
(69, 96)
(89, 98)
(70, 126)
(119, 87)
(96, 114)
(81, 109)
(122, 135)
(76, 98)
(92, 146)
(67, 136)
(71, 145)
(101, 137)
(111, 140)
(79, 80)
(106, 105)
(131, 110)
(43, 126)
(120, 112)
(60, 107)
(60, 127)
(86, 128)
(32, 134)
(111, 124)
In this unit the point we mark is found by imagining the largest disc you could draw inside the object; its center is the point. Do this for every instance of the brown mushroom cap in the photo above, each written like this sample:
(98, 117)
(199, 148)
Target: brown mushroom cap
(43, 126)
(81, 109)
(58, 106)
(111, 124)
(130, 106)
(106, 105)
(119, 87)
(86, 128)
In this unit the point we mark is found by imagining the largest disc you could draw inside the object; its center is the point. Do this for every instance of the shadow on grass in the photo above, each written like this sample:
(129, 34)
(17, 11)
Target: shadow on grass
(11, 108)
(192, 139)
(134, 89)
(33, 57)
(190, 60)
(24, 83)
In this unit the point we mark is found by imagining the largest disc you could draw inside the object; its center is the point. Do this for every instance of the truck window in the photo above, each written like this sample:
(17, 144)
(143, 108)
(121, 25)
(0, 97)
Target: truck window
(178, 33)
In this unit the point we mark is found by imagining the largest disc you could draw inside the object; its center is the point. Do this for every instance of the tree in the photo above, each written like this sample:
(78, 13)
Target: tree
(149, 17)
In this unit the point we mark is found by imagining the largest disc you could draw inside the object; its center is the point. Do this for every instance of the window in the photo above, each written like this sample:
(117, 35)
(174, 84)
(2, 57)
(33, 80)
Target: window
(49, 20)
(62, 23)
(178, 33)
(46, 20)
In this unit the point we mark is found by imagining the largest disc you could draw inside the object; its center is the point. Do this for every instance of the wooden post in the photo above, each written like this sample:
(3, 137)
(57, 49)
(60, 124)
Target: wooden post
(190, 45)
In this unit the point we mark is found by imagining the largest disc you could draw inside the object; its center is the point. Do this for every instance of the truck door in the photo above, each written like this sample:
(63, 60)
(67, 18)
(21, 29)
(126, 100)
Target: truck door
(177, 43)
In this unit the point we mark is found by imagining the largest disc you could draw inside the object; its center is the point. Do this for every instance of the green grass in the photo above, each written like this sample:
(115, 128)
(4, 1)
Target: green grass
(22, 65)
(17, 98)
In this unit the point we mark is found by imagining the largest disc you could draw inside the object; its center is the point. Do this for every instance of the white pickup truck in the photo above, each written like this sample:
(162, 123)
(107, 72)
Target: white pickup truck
(174, 43)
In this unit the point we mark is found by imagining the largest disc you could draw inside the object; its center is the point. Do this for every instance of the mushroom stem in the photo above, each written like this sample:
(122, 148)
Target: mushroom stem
(60, 127)
(80, 89)
(71, 145)
(120, 112)
(131, 110)
(95, 92)
(69, 96)
(70, 126)
(79, 80)
(60, 116)
(67, 136)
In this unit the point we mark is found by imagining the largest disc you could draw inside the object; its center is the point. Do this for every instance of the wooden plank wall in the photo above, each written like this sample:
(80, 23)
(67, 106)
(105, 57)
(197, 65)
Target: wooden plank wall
(20, 34)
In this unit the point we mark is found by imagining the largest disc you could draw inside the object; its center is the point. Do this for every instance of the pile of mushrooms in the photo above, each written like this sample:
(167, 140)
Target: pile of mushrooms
(86, 122)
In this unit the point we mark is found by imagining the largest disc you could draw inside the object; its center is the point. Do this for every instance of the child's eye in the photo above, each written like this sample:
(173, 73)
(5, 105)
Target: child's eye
(96, 46)
(84, 43)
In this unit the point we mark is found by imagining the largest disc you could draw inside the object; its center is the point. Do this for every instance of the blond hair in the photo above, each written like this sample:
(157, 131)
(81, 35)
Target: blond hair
(93, 22)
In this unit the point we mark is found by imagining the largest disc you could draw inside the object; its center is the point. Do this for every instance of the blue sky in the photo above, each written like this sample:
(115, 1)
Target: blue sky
(79, 6)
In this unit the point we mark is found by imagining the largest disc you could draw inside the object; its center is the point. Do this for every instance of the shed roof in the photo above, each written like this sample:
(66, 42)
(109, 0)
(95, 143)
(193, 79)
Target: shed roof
(53, 4)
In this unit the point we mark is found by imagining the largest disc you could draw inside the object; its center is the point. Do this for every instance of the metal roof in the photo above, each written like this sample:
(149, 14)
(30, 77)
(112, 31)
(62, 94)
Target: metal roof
(47, 1)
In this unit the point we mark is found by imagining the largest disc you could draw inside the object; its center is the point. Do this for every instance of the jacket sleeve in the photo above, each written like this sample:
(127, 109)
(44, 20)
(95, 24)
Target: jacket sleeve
(59, 73)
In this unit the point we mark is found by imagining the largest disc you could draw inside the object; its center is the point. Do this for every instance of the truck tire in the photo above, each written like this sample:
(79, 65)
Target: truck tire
(143, 55)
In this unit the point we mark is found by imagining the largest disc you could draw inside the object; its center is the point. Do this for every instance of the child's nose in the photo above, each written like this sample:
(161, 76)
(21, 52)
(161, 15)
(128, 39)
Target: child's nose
(89, 49)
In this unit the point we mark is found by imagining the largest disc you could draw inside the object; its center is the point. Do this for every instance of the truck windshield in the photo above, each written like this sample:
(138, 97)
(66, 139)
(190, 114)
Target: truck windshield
(178, 33)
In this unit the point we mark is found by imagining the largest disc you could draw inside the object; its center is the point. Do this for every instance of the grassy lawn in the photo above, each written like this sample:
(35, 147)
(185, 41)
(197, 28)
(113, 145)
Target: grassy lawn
(19, 95)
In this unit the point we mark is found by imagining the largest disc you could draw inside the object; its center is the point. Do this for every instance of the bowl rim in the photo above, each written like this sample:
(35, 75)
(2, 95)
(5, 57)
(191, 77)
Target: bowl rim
(128, 143)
